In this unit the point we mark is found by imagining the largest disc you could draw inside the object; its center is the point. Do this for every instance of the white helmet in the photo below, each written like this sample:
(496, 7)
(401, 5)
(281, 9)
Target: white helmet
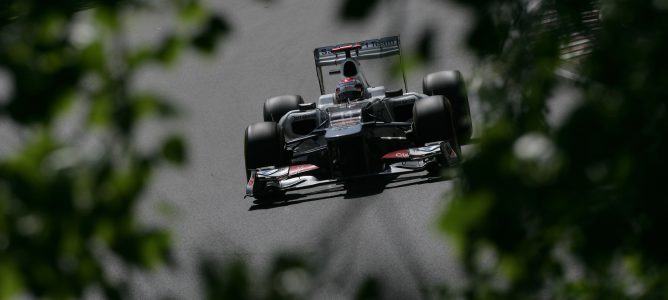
(349, 89)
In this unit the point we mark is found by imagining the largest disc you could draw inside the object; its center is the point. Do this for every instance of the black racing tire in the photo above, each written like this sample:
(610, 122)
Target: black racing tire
(264, 146)
(433, 121)
(275, 108)
(451, 85)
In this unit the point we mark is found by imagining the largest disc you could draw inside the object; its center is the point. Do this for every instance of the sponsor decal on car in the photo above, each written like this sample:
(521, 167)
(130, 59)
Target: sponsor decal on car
(249, 185)
(399, 154)
(297, 169)
(346, 47)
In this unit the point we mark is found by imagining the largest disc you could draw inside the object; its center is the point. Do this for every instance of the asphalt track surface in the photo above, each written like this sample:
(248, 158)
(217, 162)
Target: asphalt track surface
(385, 231)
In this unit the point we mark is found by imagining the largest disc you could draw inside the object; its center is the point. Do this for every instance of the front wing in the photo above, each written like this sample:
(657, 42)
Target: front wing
(298, 177)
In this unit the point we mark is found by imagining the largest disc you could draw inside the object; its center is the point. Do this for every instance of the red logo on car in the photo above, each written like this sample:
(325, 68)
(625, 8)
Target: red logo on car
(296, 169)
(397, 154)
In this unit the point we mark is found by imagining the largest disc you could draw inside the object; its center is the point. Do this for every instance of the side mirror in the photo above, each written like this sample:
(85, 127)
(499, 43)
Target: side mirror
(306, 106)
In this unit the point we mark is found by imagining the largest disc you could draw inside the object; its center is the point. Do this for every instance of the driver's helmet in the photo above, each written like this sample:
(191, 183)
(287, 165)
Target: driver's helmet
(349, 89)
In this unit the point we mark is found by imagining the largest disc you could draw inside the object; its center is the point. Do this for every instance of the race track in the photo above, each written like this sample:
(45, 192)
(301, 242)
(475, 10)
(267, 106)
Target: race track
(388, 232)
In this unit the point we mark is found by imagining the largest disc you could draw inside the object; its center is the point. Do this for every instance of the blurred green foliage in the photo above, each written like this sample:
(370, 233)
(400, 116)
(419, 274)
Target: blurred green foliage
(574, 208)
(289, 277)
(68, 196)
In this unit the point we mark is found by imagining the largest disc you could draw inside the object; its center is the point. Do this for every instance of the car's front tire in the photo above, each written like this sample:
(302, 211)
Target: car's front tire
(451, 85)
(433, 121)
(264, 146)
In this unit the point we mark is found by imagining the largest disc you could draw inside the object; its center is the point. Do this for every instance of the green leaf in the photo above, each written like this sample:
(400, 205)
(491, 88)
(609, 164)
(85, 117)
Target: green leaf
(93, 56)
(153, 248)
(10, 280)
(191, 11)
(169, 50)
(206, 40)
(425, 47)
(356, 10)
(174, 150)
(148, 104)
(225, 281)
(369, 289)
(101, 111)
(464, 213)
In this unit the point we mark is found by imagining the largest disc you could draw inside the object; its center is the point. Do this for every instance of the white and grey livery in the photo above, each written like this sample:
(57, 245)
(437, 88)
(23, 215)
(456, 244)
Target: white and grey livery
(341, 139)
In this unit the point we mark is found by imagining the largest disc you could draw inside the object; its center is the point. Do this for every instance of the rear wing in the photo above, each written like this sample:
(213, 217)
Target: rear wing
(369, 49)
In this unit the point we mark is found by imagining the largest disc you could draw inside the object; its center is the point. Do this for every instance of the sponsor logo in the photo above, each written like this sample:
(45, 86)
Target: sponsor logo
(296, 169)
(401, 155)
(382, 43)
(398, 102)
(249, 186)
(397, 154)
(301, 117)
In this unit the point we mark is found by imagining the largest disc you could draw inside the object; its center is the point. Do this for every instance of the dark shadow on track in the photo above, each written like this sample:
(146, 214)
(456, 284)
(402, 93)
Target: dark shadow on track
(351, 190)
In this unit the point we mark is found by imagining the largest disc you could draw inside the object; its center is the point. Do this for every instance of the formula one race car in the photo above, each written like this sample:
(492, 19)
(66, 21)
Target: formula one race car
(359, 130)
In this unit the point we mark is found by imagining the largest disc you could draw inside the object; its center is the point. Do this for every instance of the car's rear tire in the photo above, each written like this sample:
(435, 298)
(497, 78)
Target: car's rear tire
(275, 108)
(450, 84)
(264, 146)
(433, 121)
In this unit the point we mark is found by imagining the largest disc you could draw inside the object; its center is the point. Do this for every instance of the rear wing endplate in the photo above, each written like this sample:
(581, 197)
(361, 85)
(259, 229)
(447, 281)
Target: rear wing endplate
(369, 49)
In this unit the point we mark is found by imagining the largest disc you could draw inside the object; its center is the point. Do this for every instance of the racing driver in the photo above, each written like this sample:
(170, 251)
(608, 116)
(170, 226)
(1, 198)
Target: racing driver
(349, 89)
